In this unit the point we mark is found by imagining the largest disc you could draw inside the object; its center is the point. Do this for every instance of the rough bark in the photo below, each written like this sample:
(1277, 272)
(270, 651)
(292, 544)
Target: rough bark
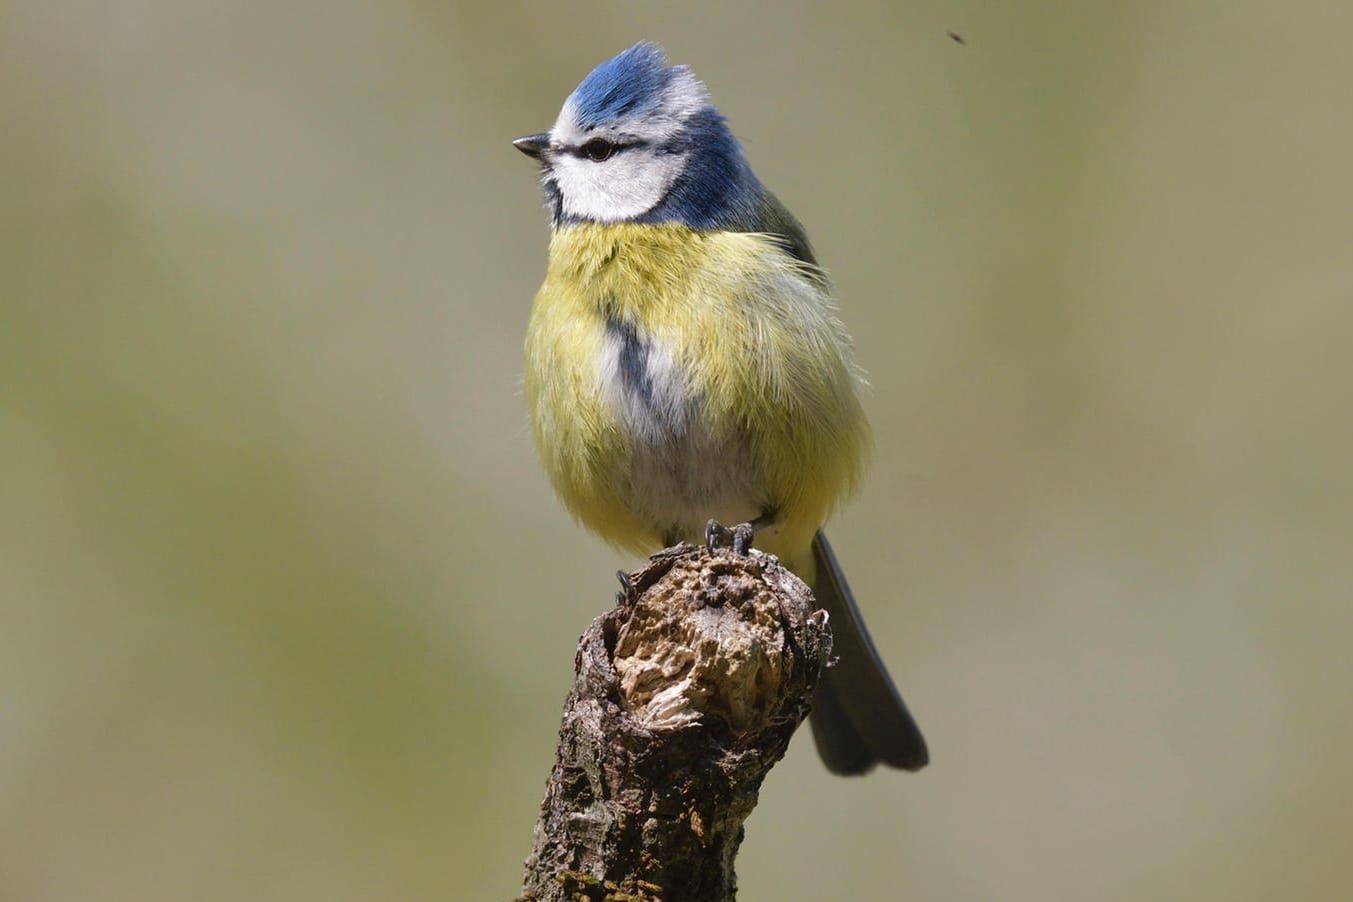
(686, 695)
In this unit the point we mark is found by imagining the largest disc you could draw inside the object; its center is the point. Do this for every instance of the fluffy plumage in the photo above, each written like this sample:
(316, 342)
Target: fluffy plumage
(684, 361)
(635, 82)
(738, 396)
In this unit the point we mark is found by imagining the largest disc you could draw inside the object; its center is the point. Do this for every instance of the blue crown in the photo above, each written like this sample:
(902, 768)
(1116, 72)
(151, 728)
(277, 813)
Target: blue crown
(630, 82)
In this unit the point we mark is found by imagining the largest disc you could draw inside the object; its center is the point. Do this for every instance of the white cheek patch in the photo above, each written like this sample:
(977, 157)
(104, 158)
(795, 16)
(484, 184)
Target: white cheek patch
(635, 179)
(629, 184)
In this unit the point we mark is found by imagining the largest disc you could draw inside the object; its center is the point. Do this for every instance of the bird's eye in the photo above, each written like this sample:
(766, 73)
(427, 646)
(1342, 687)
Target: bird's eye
(598, 149)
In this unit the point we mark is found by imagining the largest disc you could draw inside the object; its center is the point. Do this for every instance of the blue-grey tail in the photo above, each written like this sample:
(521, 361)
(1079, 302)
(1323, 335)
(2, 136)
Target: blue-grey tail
(859, 719)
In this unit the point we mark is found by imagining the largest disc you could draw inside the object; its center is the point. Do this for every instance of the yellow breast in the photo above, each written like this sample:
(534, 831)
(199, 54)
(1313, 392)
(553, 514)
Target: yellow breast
(674, 375)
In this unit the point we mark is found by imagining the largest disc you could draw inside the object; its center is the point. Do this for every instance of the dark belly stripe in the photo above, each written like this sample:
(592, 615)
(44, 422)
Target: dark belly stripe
(633, 358)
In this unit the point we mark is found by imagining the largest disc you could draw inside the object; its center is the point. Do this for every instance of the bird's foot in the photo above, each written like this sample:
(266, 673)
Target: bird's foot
(739, 538)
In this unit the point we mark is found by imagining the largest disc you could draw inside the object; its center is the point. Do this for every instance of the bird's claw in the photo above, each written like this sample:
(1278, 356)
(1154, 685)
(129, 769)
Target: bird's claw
(743, 534)
(739, 538)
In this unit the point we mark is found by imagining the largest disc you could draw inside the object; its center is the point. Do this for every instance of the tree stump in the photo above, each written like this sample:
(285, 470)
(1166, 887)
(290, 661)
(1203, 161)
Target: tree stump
(686, 694)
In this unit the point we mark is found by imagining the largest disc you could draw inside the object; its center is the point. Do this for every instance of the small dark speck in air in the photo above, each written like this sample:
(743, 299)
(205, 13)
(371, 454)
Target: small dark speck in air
(956, 38)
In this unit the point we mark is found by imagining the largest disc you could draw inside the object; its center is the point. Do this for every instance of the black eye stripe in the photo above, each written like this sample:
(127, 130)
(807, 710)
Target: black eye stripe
(599, 149)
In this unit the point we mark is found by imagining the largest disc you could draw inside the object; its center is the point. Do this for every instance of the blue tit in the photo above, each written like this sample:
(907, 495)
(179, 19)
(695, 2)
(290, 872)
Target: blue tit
(685, 361)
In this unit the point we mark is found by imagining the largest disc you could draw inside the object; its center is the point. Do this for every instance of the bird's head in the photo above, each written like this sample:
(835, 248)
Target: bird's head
(638, 141)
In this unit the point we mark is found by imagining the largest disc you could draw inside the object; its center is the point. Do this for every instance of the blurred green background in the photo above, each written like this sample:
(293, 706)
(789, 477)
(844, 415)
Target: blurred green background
(287, 611)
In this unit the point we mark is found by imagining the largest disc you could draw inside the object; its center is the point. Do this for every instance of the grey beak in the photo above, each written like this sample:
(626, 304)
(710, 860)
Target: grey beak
(533, 146)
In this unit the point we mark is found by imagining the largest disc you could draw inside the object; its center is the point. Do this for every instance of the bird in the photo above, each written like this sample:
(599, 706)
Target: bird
(686, 364)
